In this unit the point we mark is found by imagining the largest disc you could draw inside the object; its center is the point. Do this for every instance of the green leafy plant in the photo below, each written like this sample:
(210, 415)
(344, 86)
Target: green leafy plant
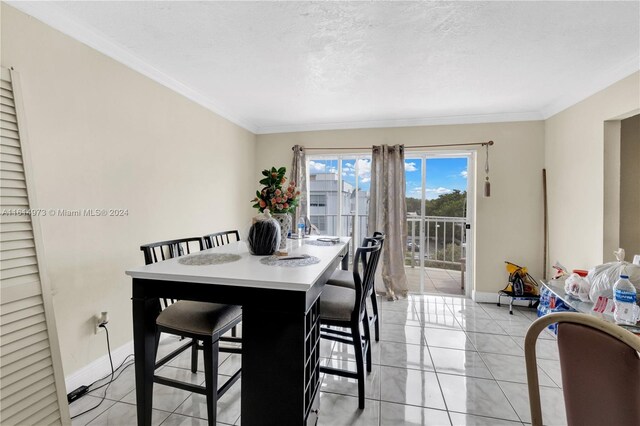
(273, 196)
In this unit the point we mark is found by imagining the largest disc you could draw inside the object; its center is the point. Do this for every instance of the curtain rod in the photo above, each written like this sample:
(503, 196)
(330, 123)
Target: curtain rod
(489, 143)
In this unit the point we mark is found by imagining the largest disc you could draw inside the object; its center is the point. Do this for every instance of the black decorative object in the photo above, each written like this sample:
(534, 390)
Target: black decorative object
(264, 237)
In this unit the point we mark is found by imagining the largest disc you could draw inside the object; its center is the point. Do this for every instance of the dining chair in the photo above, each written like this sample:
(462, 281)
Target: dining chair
(218, 239)
(200, 321)
(344, 307)
(600, 369)
(342, 278)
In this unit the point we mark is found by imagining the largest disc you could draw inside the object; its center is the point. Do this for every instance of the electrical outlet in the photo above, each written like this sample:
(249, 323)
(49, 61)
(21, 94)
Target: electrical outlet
(101, 319)
(97, 324)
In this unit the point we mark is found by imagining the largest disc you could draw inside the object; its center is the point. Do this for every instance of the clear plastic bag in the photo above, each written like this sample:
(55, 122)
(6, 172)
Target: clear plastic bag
(603, 277)
(578, 287)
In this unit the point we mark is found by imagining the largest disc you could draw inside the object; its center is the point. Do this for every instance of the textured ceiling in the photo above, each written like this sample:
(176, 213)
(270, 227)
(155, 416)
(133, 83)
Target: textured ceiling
(281, 66)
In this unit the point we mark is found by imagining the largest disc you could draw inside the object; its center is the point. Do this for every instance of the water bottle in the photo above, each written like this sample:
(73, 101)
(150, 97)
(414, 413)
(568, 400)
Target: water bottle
(301, 226)
(624, 297)
(543, 306)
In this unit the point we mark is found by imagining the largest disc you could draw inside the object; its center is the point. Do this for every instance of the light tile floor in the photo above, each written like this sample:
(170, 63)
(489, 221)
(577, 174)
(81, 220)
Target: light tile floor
(441, 360)
(436, 281)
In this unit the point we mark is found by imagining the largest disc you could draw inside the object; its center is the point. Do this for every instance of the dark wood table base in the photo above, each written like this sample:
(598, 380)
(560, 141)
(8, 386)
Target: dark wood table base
(280, 346)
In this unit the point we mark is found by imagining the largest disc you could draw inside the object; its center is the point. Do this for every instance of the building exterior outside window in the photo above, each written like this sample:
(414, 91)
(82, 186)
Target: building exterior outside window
(338, 188)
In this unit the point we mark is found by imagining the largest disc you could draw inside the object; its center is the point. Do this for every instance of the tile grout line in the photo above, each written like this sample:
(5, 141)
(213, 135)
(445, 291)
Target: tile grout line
(444, 400)
(500, 387)
(491, 373)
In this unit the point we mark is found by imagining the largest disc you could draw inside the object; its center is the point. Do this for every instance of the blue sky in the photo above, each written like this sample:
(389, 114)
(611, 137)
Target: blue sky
(443, 174)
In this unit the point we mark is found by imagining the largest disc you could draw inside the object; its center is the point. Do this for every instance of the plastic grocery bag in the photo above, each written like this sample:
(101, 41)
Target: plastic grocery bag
(577, 286)
(603, 277)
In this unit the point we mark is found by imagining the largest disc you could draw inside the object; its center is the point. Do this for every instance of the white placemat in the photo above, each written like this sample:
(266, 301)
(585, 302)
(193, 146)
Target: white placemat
(208, 259)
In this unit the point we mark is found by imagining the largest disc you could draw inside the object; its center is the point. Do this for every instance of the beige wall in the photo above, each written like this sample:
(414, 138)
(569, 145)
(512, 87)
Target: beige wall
(574, 157)
(509, 224)
(630, 186)
(104, 136)
(611, 188)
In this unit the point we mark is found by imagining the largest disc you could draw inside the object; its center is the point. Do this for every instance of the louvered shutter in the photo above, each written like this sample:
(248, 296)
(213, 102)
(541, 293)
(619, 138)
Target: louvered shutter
(32, 388)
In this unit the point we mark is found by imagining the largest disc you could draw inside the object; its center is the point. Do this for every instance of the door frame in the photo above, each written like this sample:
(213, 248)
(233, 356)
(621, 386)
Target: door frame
(471, 155)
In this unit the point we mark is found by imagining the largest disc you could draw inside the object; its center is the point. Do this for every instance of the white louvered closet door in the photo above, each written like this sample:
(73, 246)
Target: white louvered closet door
(32, 388)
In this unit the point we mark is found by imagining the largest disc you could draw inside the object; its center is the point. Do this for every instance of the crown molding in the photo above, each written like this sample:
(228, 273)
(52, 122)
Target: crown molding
(588, 87)
(410, 122)
(52, 16)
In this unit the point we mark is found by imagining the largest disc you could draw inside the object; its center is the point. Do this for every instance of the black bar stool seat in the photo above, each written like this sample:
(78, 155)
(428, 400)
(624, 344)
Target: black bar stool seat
(198, 318)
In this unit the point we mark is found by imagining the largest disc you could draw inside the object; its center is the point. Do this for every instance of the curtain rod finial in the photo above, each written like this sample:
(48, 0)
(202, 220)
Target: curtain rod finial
(490, 143)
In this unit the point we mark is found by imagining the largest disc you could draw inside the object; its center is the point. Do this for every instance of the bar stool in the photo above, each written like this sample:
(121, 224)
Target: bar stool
(200, 321)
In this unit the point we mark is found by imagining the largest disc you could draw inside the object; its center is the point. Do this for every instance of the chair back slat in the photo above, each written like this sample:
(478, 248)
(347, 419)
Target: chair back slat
(218, 239)
(365, 259)
(380, 236)
(169, 249)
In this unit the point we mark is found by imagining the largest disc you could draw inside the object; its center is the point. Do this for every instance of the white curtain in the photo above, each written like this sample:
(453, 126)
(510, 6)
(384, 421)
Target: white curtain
(298, 174)
(388, 214)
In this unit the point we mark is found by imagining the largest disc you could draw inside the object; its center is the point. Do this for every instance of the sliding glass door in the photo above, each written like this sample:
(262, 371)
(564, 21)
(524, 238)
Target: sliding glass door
(437, 219)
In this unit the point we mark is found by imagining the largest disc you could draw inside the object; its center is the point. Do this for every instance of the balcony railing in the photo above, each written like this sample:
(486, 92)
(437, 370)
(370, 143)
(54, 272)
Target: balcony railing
(443, 241)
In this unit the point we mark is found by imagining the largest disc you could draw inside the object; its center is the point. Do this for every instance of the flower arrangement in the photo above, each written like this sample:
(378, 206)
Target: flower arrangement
(273, 196)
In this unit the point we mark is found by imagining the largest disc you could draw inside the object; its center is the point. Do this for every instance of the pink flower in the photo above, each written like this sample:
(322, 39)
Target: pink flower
(278, 192)
(297, 192)
(283, 179)
(286, 206)
(292, 183)
(273, 201)
(262, 204)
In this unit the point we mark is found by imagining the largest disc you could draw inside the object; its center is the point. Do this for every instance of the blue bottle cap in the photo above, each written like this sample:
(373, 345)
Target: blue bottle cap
(626, 277)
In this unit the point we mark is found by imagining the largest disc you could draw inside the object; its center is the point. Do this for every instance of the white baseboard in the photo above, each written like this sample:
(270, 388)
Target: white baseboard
(484, 297)
(98, 368)
(101, 366)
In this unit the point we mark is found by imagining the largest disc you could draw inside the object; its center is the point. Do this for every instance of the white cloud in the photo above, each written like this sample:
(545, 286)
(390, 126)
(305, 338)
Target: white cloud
(315, 167)
(414, 193)
(432, 193)
(440, 190)
(463, 174)
(364, 169)
(410, 167)
(348, 169)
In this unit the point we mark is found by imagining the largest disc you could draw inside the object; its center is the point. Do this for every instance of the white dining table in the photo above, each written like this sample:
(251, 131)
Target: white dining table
(280, 323)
